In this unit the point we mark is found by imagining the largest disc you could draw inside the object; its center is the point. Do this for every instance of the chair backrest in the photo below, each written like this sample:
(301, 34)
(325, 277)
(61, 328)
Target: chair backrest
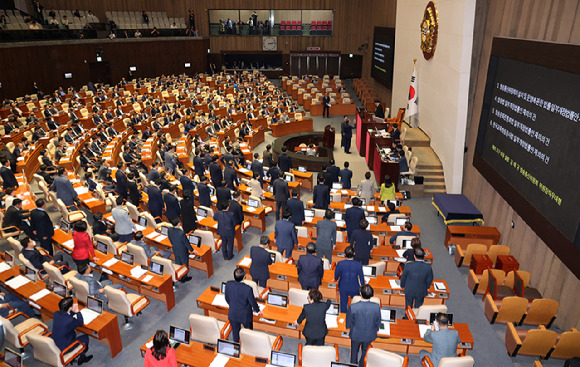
(524, 275)
(15, 245)
(413, 164)
(297, 297)
(357, 299)
(319, 213)
(316, 356)
(45, 350)
(492, 285)
(541, 312)
(26, 262)
(81, 289)
(496, 250)
(301, 231)
(107, 241)
(118, 301)
(150, 220)
(538, 342)
(133, 211)
(326, 264)
(465, 361)
(167, 266)
(54, 274)
(393, 218)
(252, 285)
(473, 248)
(381, 266)
(204, 329)
(512, 309)
(568, 345)
(425, 311)
(279, 258)
(208, 210)
(139, 253)
(400, 239)
(255, 343)
(207, 238)
(10, 332)
(380, 358)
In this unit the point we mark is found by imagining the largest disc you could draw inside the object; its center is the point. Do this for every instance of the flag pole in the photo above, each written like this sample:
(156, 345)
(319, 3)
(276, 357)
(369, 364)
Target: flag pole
(411, 117)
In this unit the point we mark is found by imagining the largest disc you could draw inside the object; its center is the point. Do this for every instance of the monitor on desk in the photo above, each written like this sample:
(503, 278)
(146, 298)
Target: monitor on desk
(102, 247)
(338, 216)
(253, 203)
(309, 213)
(95, 304)
(280, 359)
(363, 201)
(223, 287)
(178, 336)
(228, 348)
(337, 186)
(59, 289)
(301, 169)
(369, 271)
(164, 230)
(142, 221)
(433, 316)
(273, 257)
(156, 268)
(201, 212)
(195, 240)
(396, 202)
(372, 219)
(64, 226)
(406, 244)
(128, 258)
(333, 309)
(11, 358)
(249, 166)
(400, 221)
(211, 191)
(271, 189)
(388, 315)
(31, 274)
(277, 300)
(288, 177)
(8, 258)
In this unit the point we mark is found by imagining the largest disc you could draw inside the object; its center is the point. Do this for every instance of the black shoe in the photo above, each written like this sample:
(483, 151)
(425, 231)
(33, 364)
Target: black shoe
(104, 277)
(83, 358)
(186, 278)
(347, 152)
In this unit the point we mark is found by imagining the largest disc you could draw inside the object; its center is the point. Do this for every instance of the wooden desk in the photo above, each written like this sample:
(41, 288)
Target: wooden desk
(29, 165)
(381, 168)
(291, 127)
(507, 263)
(395, 297)
(305, 178)
(256, 138)
(464, 235)
(159, 287)
(374, 141)
(104, 328)
(337, 109)
(256, 217)
(479, 263)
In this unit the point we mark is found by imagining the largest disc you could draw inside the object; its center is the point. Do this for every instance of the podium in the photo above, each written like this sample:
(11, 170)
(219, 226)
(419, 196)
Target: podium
(328, 137)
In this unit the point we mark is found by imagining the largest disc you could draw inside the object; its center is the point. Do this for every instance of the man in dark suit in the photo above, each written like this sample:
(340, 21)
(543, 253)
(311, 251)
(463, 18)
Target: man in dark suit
(204, 192)
(215, 172)
(7, 175)
(362, 242)
(297, 207)
(284, 160)
(364, 320)
(379, 112)
(15, 216)
(153, 174)
(416, 280)
(181, 246)
(223, 193)
(347, 134)
(186, 183)
(345, 175)
(133, 190)
(260, 260)
(285, 234)
(236, 208)
(350, 277)
(333, 171)
(444, 340)
(198, 164)
(172, 208)
(325, 106)
(65, 321)
(231, 176)
(42, 226)
(274, 172)
(321, 194)
(310, 268)
(155, 203)
(121, 178)
(267, 157)
(406, 232)
(258, 167)
(281, 194)
(326, 235)
(226, 228)
(353, 216)
(314, 312)
(241, 301)
(31, 253)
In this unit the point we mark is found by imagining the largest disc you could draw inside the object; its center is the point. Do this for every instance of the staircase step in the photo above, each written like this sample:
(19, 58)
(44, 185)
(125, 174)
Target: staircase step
(432, 178)
(430, 192)
(430, 171)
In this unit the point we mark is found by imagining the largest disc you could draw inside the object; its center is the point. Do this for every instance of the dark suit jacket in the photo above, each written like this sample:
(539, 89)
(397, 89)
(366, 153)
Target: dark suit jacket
(223, 193)
(204, 195)
(99, 227)
(8, 177)
(310, 271)
(281, 192)
(153, 175)
(274, 173)
(14, 217)
(353, 217)
(186, 184)
(180, 244)
(226, 223)
(172, 208)
(188, 216)
(364, 320)
(260, 261)
(35, 258)
(350, 275)
(285, 234)
(362, 241)
(333, 171)
(417, 278)
(345, 177)
(297, 207)
(155, 204)
(64, 334)
(240, 298)
(258, 167)
(315, 315)
(284, 162)
(134, 193)
(198, 166)
(231, 178)
(238, 212)
(121, 187)
(41, 223)
(321, 196)
(379, 112)
(215, 172)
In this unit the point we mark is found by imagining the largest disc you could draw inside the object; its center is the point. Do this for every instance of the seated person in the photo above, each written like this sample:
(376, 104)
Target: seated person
(95, 287)
(37, 259)
(392, 210)
(149, 251)
(65, 321)
(311, 151)
(405, 232)
(8, 301)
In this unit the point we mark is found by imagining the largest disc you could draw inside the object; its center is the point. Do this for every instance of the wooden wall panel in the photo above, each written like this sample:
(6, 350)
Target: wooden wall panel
(543, 20)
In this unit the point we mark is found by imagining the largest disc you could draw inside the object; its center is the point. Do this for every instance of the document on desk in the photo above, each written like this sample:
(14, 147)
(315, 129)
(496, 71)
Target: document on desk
(385, 328)
(139, 227)
(396, 228)
(70, 244)
(112, 261)
(38, 295)
(246, 261)
(244, 170)
(220, 360)
(370, 208)
(220, 300)
(137, 272)
(160, 238)
(4, 266)
(17, 282)
(250, 209)
(347, 206)
(89, 315)
(331, 321)
(90, 200)
(152, 236)
(440, 286)
(382, 209)
(81, 190)
(147, 278)
(395, 283)
(423, 329)
(400, 252)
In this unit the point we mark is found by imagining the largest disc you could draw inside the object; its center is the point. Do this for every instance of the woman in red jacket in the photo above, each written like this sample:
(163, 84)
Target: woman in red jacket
(160, 354)
(83, 251)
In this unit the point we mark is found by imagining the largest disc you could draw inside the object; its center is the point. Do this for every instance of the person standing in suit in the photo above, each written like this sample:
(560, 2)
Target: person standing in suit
(364, 320)
(350, 277)
(223, 193)
(274, 172)
(181, 246)
(256, 187)
(260, 260)
(8, 178)
(314, 313)
(236, 208)
(321, 194)
(416, 280)
(64, 188)
(215, 172)
(121, 178)
(198, 165)
(353, 216)
(347, 134)
(281, 194)
(362, 242)
(123, 224)
(172, 208)
(325, 106)
(297, 207)
(326, 235)
(203, 192)
(231, 176)
(285, 234)
(226, 228)
(444, 340)
(155, 203)
(64, 323)
(258, 168)
(284, 160)
(42, 226)
(268, 159)
(186, 183)
(241, 301)
(133, 190)
(310, 268)
(333, 171)
(345, 175)
(366, 189)
(188, 215)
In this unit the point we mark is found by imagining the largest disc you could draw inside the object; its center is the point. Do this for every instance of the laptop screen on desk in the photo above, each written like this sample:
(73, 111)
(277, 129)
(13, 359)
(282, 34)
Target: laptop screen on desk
(369, 271)
(309, 213)
(164, 230)
(400, 221)
(301, 169)
(333, 310)
(202, 212)
(372, 219)
(143, 221)
(407, 244)
(253, 203)
(338, 216)
(12, 359)
(342, 364)
(179, 335)
(388, 315)
(337, 186)
(211, 191)
(277, 300)
(95, 304)
(195, 240)
(396, 202)
(31, 274)
(127, 258)
(156, 268)
(64, 226)
(228, 348)
(223, 288)
(59, 289)
(280, 359)
(288, 178)
(101, 247)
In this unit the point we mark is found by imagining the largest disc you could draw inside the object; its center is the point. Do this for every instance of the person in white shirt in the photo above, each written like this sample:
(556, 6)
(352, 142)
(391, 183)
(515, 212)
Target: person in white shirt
(137, 34)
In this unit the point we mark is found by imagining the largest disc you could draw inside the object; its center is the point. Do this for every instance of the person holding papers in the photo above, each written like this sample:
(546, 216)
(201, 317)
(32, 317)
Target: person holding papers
(350, 277)
(364, 320)
(444, 340)
(96, 288)
(314, 313)
(64, 323)
(416, 280)
(260, 260)
(241, 301)
(160, 354)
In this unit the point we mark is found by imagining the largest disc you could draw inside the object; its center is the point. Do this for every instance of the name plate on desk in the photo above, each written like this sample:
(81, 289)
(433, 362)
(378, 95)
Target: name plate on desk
(268, 321)
(281, 277)
(345, 334)
(387, 291)
(465, 345)
(443, 295)
(209, 347)
(407, 341)
(332, 285)
(261, 360)
(300, 248)
(340, 254)
(384, 258)
(291, 326)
